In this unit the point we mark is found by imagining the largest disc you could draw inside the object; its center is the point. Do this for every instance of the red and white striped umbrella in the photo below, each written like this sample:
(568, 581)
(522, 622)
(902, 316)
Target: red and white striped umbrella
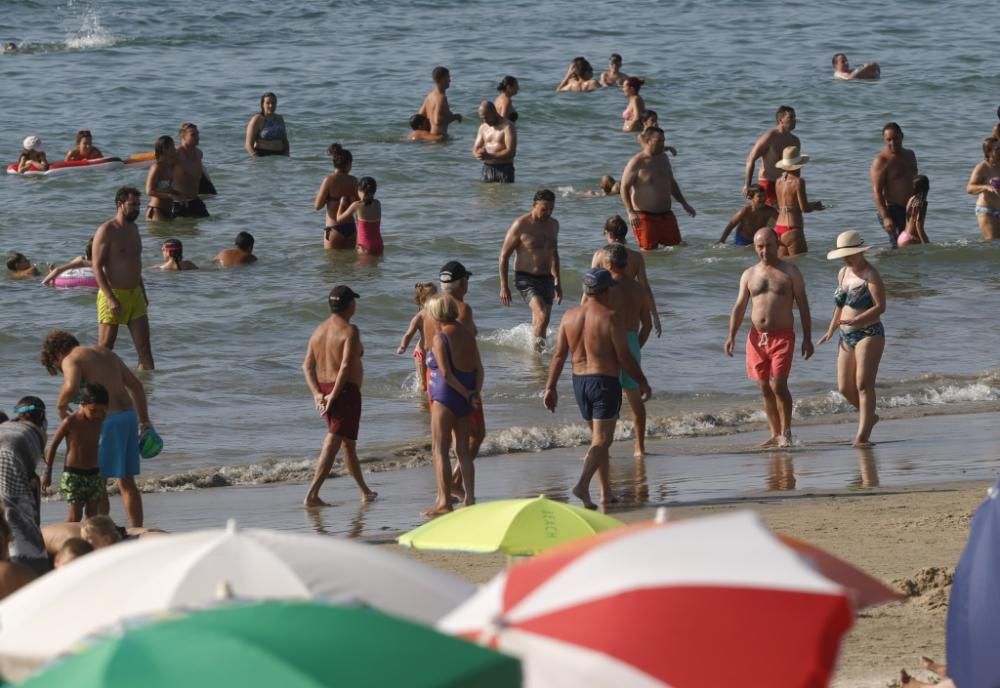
(702, 603)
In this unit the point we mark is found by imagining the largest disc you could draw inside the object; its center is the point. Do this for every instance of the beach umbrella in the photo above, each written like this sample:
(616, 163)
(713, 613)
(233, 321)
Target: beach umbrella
(699, 603)
(286, 644)
(517, 527)
(191, 570)
(974, 605)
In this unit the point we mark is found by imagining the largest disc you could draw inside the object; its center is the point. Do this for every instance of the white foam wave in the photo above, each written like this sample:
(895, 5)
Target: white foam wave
(91, 33)
(518, 337)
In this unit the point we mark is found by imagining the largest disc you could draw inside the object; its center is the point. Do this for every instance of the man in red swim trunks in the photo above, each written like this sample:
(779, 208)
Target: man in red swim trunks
(768, 149)
(334, 374)
(772, 285)
(647, 186)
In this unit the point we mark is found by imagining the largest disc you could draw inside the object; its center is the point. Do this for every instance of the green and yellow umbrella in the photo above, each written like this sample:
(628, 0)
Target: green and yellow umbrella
(516, 527)
(282, 644)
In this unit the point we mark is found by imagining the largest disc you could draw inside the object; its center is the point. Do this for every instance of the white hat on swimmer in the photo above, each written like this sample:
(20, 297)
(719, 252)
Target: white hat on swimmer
(848, 243)
(791, 159)
(33, 143)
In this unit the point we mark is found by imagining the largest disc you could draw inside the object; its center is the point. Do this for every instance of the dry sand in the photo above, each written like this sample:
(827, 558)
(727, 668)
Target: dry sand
(910, 538)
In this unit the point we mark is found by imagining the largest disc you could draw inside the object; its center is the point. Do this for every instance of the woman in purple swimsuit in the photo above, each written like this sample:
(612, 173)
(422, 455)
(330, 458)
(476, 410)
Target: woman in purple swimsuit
(456, 378)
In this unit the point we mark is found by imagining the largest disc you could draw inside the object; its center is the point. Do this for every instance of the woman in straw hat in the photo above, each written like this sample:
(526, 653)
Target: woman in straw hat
(859, 303)
(792, 203)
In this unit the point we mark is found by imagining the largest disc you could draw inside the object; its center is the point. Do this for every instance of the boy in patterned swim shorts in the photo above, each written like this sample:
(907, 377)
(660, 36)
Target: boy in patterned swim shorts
(82, 485)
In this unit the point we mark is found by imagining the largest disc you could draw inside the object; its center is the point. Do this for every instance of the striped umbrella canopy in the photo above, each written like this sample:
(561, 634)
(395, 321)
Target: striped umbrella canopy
(699, 603)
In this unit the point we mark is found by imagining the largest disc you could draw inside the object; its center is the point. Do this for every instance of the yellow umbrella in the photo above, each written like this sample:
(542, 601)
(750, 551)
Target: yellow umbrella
(517, 527)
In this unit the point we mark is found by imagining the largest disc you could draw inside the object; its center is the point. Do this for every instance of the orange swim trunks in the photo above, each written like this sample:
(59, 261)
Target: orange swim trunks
(656, 229)
(770, 191)
(769, 354)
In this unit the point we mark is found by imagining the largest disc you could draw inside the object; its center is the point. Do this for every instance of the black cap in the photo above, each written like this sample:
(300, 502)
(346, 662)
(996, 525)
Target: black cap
(454, 271)
(341, 297)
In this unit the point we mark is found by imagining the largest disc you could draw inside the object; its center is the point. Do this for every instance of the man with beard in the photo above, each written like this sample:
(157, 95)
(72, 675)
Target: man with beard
(121, 296)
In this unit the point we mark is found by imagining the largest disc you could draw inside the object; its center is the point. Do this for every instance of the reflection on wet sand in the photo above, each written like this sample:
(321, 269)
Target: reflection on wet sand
(867, 467)
(780, 472)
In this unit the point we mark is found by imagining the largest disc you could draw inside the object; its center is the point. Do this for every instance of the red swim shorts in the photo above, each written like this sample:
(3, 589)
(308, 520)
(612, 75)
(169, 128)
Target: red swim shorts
(655, 229)
(344, 417)
(769, 354)
(770, 191)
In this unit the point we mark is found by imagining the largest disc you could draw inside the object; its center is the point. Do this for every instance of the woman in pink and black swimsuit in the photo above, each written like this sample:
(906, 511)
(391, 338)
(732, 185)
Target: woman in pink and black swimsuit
(792, 203)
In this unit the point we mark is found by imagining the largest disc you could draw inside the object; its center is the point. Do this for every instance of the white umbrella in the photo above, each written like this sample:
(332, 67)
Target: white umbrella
(192, 570)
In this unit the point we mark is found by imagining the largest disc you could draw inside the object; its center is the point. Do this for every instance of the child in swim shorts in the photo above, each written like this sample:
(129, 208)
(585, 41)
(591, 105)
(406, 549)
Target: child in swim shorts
(82, 485)
(421, 292)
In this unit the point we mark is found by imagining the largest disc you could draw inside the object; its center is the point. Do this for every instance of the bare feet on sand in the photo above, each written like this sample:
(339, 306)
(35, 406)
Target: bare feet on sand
(907, 681)
(771, 441)
(784, 440)
(584, 497)
(313, 502)
(865, 442)
(369, 496)
(435, 511)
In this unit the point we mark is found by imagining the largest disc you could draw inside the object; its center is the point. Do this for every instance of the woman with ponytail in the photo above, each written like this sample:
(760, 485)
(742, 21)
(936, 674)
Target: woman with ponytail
(368, 215)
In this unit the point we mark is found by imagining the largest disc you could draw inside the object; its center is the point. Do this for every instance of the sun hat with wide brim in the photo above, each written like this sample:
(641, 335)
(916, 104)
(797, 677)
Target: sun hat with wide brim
(848, 243)
(791, 159)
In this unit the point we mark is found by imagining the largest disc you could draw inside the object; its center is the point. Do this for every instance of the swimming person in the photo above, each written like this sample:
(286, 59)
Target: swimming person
(121, 295)
(32, 157)
(266, 132)
(338, 191)
(632, 115)
(647, 186)
(454, 386)
(506, 90)
(859, 303)
(579, 76)
(916, 214)
(420, 130)
(421, 292)
(768, 148)
(985, 182)
(435, 106)
(792, 203)
(594, 340)
(84, 261)
(750, 218)
(84, 149)
(334, 374)
(173, 253)
(842, 70)
(614, 76)
(772, 286)
(241, 252)
(160, 181)
(19, 267)
(495, 145)
(82, 485)
(367, 214)
(533, 240)
(892, 173)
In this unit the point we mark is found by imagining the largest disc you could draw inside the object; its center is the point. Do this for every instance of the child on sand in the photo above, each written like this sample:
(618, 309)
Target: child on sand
(173, 251)
(916, 213)
(33, 156)
(421, 292)
(751, 217)
(82, 485)
(19, 267)
(367, 214)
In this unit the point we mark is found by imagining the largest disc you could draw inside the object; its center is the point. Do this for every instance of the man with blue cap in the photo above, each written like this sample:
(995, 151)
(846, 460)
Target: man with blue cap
(600, 351)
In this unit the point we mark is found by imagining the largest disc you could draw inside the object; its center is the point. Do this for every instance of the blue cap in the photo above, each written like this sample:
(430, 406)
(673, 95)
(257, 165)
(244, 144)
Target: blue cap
(597, 280)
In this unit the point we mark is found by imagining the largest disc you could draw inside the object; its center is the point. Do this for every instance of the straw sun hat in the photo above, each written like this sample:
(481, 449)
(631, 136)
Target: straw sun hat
(848, 243)
(791, 159)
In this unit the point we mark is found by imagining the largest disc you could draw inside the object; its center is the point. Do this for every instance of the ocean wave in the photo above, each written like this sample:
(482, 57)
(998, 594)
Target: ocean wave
(91, 34)
(518, 337)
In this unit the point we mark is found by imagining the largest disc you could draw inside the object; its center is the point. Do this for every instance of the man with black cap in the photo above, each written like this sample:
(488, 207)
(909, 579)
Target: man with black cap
(600, 351)
(334, 373)
(454, 279)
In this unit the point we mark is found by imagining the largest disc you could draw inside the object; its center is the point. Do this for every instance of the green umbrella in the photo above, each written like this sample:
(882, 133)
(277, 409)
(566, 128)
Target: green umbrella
(282, 645)
(517, 527)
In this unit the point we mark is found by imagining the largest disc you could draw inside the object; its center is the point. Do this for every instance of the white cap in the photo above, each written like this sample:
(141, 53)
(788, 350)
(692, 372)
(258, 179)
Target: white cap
(33, 143)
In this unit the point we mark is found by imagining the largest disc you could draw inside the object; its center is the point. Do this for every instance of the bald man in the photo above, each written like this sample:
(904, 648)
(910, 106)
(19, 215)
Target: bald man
(496, 145)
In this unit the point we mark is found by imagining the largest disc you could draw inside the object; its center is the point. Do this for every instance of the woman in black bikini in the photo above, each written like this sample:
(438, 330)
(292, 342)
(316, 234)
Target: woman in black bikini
(338, 191)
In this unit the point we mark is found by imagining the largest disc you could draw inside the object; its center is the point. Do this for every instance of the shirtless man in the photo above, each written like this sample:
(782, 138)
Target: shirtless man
(630, 302)
(435, 106)
(768, 148)
(495, 145)
(128, 414)
(454, 281)
(772, 285)
(985, 181)
(240, 254)
(121, 296)
(533, 239)
(842, 70)
(647, 186)
(892, 173)
(189, 170)
(597, 342)
(334, 373)
(750, 218)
